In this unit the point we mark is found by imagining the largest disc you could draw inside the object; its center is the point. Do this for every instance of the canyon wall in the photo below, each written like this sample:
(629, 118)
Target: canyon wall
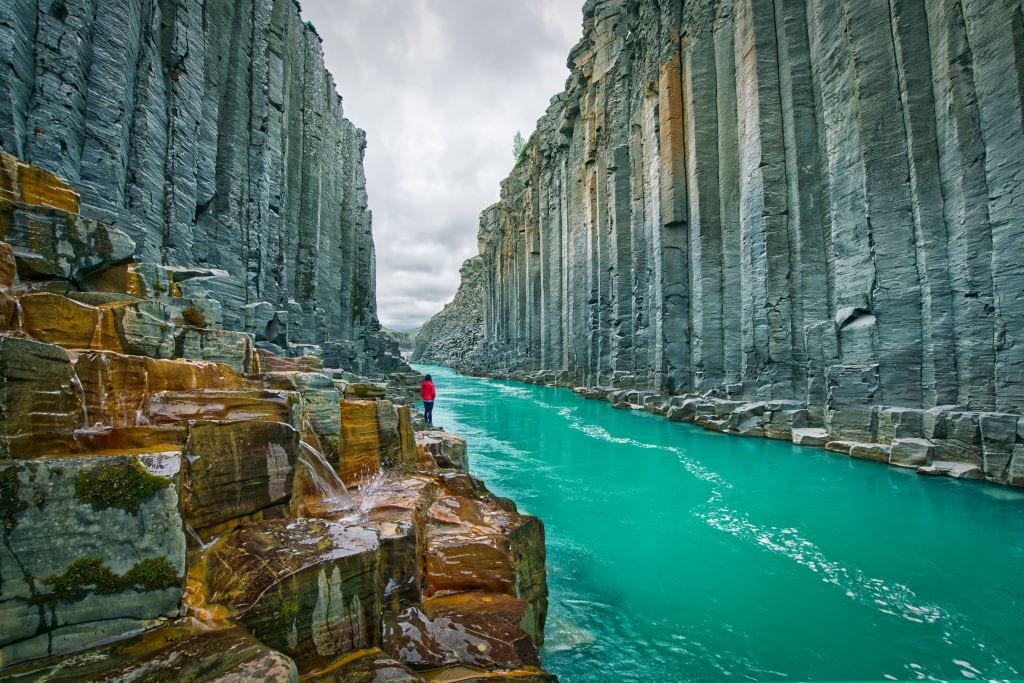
(459, 328)
(818, 202)
(211, 134)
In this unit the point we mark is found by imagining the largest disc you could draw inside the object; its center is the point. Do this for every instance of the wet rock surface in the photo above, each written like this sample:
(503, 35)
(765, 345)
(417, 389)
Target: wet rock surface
(744, 201)
(186, 493)
(276, 541)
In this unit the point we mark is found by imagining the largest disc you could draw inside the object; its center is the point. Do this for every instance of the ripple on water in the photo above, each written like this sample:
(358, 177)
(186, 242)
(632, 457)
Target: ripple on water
(592, 621)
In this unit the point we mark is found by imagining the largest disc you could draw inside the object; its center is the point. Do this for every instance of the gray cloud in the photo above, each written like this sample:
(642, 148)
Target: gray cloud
(440, 86)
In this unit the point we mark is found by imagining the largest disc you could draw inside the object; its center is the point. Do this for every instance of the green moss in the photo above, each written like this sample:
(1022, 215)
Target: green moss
(123, 485)
(82, 575)
(153, 574)
(11, 503)
(288, 611)
(359, 390)
(91, 574)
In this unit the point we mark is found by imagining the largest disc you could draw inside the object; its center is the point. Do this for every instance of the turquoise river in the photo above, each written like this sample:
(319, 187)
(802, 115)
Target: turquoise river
(677, 554)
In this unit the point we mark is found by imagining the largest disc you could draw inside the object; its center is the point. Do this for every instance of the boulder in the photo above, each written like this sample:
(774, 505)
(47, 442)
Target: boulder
(236, 469)
(98, 541)
(443, 450)
(870, 451)
(809, 436)
(40, 399)
(911, 452)
(307, 587)
(476, 629)
(957, 470)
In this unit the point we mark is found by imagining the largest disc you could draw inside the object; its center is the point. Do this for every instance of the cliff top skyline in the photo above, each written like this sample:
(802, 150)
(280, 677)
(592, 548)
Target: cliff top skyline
(420, 78)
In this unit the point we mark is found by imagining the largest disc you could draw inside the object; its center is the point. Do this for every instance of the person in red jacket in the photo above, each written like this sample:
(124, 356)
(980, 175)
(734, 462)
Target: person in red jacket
(427, 393)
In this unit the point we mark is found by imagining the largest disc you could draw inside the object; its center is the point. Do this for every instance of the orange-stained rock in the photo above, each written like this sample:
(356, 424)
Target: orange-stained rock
(396, 507)
(442, 450)
(171, 407)
(271, 362)
(465, 558)
(185, 375)
(321, 414)
(234, 469)
(40, 404)
(133, 327)
(472, 674)
(37, 187)
(475, 629)
(364, 666)
(306, 587)
(114, 387)
(8, 271)
(177, 652)
(59, 320)
(110, 441)
(359, 455)
(397, 440)
(479, 542)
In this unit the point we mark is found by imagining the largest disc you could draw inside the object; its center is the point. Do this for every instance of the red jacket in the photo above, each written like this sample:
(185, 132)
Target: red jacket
(427, 392)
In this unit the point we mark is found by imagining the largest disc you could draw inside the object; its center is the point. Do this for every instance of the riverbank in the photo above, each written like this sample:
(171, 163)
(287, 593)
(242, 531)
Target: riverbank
(675, 553)
(941, 441)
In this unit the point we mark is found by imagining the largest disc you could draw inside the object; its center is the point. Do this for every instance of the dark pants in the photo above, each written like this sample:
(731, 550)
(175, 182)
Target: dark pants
(428, 411)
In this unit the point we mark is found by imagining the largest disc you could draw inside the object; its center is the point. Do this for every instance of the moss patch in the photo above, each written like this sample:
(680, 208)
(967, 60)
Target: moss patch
(91, 574)
(123, 485)
(82, 575)
(153, 574)
(11, 503)
(289, 610)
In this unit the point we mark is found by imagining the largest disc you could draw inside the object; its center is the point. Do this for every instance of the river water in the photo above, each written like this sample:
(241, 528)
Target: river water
(679, 554)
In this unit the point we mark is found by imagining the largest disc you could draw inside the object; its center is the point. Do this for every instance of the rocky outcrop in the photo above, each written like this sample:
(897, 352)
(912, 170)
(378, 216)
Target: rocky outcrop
(209, 142)
(816, 201)
(180, 501)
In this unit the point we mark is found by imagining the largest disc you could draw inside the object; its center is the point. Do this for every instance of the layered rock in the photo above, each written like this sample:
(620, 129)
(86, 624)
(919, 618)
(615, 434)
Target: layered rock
(182, 496)
(204, 139)
(810, 200)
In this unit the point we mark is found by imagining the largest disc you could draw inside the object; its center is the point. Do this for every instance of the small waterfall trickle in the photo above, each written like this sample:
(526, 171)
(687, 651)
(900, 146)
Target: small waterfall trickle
(19, 318)
(76, 382)
(317, 491)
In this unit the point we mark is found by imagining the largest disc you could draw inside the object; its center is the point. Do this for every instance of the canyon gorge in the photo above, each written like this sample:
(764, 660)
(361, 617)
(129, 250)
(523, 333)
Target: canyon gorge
(798, 219)
(210, 463)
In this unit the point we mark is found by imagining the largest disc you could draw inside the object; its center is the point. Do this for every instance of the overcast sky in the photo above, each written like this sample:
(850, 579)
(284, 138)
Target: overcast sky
(441, 87)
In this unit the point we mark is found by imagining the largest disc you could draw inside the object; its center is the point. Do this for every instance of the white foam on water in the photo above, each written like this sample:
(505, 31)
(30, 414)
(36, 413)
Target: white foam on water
(889, 598)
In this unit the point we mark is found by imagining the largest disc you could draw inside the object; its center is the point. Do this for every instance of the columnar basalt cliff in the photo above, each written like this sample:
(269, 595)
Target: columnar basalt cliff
(210, 134)
(800, 218)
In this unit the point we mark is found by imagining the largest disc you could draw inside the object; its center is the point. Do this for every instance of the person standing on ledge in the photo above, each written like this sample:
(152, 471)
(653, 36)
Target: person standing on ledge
(427, 393)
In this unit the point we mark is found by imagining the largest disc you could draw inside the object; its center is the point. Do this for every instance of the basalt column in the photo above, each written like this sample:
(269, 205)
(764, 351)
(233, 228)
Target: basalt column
(818, 202)
(211, 133)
